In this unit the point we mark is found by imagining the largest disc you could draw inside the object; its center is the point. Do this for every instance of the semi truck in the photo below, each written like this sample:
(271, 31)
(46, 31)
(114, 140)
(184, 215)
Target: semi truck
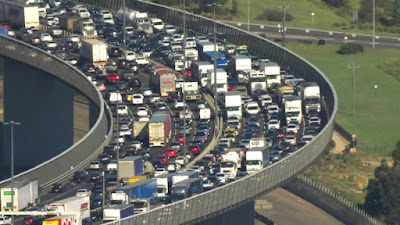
(272, 71)
(163, 79)
(283, 92)
(164, 183)
(67, 21)
(257, 142)
(79, 206)
(222, 80)
(310, 94)
(117, 212)
(206, 46)
(192, 91)
(19, 14)
(141, 194)
(137, 19)
(94, 51)
(180, 176)
(239, 63)
(160, 130)
(192, 55)
(199, 72)
(256, 159)
(86, 28)
(293, 108)
(130, 167)
(25, 194)
(233, 154)
(186, 188)
(258, 81)
(62, 220)
(233, 104)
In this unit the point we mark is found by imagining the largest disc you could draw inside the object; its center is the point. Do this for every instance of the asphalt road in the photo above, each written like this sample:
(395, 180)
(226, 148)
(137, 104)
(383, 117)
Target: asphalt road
(331, 37)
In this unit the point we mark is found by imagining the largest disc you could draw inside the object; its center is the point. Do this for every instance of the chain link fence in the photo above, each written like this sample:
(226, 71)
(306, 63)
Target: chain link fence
(62, 166)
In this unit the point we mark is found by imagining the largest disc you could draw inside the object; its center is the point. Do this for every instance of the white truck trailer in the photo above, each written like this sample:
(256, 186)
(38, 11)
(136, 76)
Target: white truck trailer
(293, 108)
(19, 14)
(222, 80)
(233, 104)
(199, 71)
(310, 94)
(256, 159)
(272, 71)
(77, 205)
(258, 81)
(237, 65)
(25, 193)
(95, 51)
(117, 212)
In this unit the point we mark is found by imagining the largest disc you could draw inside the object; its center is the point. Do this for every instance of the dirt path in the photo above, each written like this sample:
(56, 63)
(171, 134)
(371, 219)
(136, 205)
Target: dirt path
(340, 142)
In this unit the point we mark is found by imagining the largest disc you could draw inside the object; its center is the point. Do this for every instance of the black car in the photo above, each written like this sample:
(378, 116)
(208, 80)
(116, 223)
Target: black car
(94, 177)
(57, 188)
(96, 203)
(172, 96)
(158, 164)
(80, 175)
(135, 82)
(96, 216)
(115, 51)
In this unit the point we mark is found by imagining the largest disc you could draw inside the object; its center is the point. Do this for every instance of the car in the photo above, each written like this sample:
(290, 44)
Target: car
(291, 139)
(161, 106)
(112, 78)
(195, 168)
(195, 149)
(173, 167)
(163, 159)
(180, 160)
(45, 37)
(173, 96)
(200, 104)
(96, 203)
(95, 165)
(142, 111)
(142, 61)
(122, 109)
(205, 129)
(179, 103)
(180, 138)
(160, 171)
(273, 124)
(176, 145)
(146, 91)
(307, 138)
(170, 152)
(57, 188)
(104, 158)
(158, 164)
(137, 99)
(5, 219)
(252, 108)
(144, 119)
(169, 29)
(83, 192)
(291, 128)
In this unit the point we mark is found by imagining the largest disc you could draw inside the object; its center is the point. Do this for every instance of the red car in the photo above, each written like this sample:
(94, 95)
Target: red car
(194, 149)
(180, 138)
(100, 87)
(280, 133)
(286, 146)
(113, 78)
(163, 159)
(188, 72)
(170, 152)
(291, 133)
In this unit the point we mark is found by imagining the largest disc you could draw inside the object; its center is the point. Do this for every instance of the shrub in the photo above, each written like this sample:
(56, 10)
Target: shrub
(274, 15)
(350, 48)
(337, 3)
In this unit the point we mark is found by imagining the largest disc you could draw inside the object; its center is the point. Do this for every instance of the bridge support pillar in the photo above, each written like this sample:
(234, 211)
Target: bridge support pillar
(44, 107)
(93, 114)
(237, 216)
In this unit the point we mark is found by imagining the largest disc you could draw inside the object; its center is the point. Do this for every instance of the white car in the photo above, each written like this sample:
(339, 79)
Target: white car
(201, 104)
(226, 141)
(144, 119)
(195, 168)
(221, 177)
(176, 46)
(314, 119)
(120, 140)
(180, 160)
(83, 192)
(83, 13)
(179, 103)
(74, 38)
(122, 109)
(142, 61)
(273, 109)
(173, 167)
(291, 140)
(130, 55)
(252, 108)
(266, 100)
(307, 138)
(107, 18)
(292, 127)
(51, 21)
(46, 37)
(142, 111)
(160, 171)
(165, 42)
(169, 29)
(49, 44)
(274, 124)
(137, 99)
(5, 220)
(190, 42)
(124, 130)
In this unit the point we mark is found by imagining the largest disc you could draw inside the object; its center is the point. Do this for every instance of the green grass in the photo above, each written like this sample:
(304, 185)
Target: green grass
(376, 121)
(301, 10)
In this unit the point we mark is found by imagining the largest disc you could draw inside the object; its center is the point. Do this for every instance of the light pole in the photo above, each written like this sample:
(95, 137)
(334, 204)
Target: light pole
(12, 124)
(312, 17)
(284, 8)
(183, 87)
(124, 24)
(104, 189)
(373, 23)
(248, 15)
(117, 137)
(353, 68)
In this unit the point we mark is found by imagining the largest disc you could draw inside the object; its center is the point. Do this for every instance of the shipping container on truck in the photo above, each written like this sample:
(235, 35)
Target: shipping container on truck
(160, 130)
(164, 183)
(130, 167)
(117, 212)
(163, 79)
(62, 220)
(19, 14)
(199, 71)
(94, 51)
(3, 30)
(209, 57)
(67, 22)
(180, 176)
(186, 188)
(25, 194)
(76, 205)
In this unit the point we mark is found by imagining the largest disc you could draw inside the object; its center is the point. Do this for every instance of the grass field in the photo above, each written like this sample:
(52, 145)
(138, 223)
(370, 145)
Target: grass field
(324, 16)
(376, 120)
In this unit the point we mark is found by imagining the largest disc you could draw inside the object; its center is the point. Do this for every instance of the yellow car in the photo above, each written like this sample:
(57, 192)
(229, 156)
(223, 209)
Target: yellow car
(230, 131)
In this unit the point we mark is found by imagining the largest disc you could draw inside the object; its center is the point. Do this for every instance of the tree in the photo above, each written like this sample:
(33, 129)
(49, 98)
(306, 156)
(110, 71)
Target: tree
(235, 6)
(337, 3)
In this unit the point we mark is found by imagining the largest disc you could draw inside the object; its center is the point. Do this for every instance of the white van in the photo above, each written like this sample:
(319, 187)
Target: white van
(205, 113)
(157, 24)
(115, 98)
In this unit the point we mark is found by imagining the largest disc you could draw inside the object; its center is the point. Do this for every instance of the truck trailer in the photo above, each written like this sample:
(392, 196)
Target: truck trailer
(25, 193)
(180, 176)
(222, 80)
(160, 130)
(199, 71)
(186, 188)
(164, 183)
(130, 167)
(79, 206)
(293, 108)
(62, 220)
(239, 63)
(117, 212)
(163, 79)
(94, 51)
(310, 94)
(19, 14)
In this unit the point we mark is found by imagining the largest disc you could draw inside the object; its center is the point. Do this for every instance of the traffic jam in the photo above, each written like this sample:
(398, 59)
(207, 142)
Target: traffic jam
(158, 87)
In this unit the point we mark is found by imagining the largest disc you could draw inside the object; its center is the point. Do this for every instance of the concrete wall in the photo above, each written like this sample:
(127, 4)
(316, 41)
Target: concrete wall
(44, 106)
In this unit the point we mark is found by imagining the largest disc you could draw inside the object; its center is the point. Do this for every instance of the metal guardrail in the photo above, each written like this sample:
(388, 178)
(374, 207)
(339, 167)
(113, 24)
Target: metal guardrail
(62, 166)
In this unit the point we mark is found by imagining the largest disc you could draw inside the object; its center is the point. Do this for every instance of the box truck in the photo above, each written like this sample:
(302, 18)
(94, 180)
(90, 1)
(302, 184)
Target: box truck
(160, 130)
(272, 71)
(238, 64)
(94, 51)
(67, 21)
(293, 108)
(130, 167)
(164, 183)
(199, 72)
(186, 188)
(163, 79)
(310, 94)
(25, 194)
(222, 80)
(192, 91)
(117, 212)
(256, 159)
(19, 14)
(233, 104)
(79, 206)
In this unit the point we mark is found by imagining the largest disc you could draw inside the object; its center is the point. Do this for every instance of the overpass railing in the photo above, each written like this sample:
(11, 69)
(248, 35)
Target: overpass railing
(62, 166)
(222, 199)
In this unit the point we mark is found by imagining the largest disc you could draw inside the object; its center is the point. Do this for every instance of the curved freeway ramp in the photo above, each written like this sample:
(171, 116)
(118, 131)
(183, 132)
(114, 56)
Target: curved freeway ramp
(240, 192)
(62, 166)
